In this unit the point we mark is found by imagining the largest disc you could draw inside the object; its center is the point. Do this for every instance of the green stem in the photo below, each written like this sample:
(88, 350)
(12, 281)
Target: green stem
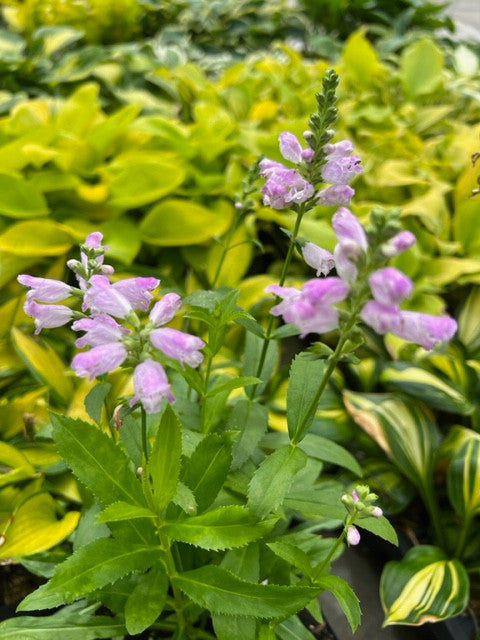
(281, 282)
(318, 571)
(226, 248)
(433, 512)
(144, 434)
(177, 595)
(203, 399)
(462, 540)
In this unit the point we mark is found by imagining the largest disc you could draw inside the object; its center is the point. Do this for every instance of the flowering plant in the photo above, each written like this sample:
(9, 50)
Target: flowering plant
(201, 523)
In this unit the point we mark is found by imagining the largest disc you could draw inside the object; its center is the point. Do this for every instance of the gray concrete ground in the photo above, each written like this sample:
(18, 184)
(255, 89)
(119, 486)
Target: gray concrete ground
(466, 15)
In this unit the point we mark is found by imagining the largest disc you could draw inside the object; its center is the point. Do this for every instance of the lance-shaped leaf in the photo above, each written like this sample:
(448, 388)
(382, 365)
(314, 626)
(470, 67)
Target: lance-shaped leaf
(428, 387)
(463, 480)
(404, 430)
(425, 586)
(164, 463)
(90, 568)
(147, 600)
(223, 528)
(219, 591)
(305, 378)
(70, 623)
(345, 596)
(119, 511)
(251, 420)
(272, 480)
(206, 470)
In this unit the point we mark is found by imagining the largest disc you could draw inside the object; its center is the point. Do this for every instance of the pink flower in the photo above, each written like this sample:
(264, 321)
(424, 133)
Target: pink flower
(44, 289)
(339, 149)
(424, 329)
(164, 310)
(137, 291)
(99, 360)
(178, 345)
(390, 286)
(335, 195)
(353, 535)
(290, 147)
(350, 233)
(102, 297)
(320, 259)
(341, 170)
(381, 318)
(151, 386)
(399, 243)
(285, 187)
(47, 316)
(100, 329)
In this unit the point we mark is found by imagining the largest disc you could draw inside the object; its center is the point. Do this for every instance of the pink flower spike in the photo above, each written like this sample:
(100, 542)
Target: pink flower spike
(137, 291)
(349, 231)
(99, 360)
(290, 147)
(151, 386)
(353, 535)
(100, 329)
(398, 244)
(102, 297)
(335, 195)
(339, 149)
(47, 316)
(178, 345)
(45, 289)
(319, 259)
(285, 187)
(390, 286)
(165, 309)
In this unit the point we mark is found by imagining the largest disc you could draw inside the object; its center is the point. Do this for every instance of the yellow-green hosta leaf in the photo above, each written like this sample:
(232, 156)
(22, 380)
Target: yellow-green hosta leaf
(140, 183)
(176, 222)
(361, 63)
(404, 430)
(236, 261)
(423, 587)
(14, 466)
(463, 480)
(35, 527)
(469, 321)
(37, 238)
(11, 266)
(421, 67)
(43, 363)
(442, 271)
(428, 387)
(18, 199)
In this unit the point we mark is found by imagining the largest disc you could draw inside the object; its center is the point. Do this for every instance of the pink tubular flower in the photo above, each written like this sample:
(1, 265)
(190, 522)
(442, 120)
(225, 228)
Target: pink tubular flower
(268, 167)
(340, 149)
(178, 345)
(137, 291)
(290, 147)
(164, 310)
(47, 316)
(390, 286)
(151, 386)
(44, 289)
(424, 329)
(102, 297)
(382, 318)
(398, 244)
(285, 187)
(101, 359)
(319, 259)
(335, 195)
(353, 535)
(341, 170)
(100, 329)
(325, 291)
(349, 232)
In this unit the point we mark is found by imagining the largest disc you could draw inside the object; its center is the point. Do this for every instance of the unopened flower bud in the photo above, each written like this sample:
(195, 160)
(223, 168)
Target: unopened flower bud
(353, 535)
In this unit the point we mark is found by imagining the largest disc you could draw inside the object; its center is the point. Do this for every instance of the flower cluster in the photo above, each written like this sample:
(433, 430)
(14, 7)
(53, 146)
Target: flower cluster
(285, 187)
(359, 504)
(111, 343)
(388, 286)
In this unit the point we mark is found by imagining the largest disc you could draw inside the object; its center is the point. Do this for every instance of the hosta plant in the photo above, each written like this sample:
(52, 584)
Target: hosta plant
(199, 522)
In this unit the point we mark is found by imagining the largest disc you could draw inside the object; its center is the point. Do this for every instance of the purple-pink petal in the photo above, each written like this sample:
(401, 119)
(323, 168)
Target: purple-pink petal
(47, 316)
(102, 297)
(99, 329)
(267, 167)
(341, 171)
(99, 360)
(165, 309)
(137, 291)
(348, 230)
(178, 345)
(382, 318)
(424, 329)
(353, 535)
(151, 386)
(325, 291)
(335, 195)
(319, 259)
(390, 286)
(290, 147)
(398, 244)
(339, 149)
(44, 289)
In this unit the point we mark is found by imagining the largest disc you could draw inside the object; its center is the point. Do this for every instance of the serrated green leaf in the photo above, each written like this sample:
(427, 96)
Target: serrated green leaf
(164, 463)
(253, 349)
(380, 527)
(230, 385)
(425, 586)
(219, 591)
(293, 629)
(273, 478)
(94, 400)
(90, 568)
(251, 420)
(223, 528)
(305, 378)
(291, 554)
(206, 470)
(185, 499)
(346, 597)
(69, 623)
(234, 627)
(147, 600)
(119, 511)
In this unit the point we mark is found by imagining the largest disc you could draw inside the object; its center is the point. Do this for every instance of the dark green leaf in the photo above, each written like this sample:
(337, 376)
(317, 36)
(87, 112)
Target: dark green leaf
(305, 378)
(251, 420)
(147, 600)
(94, 400)
(164, 463)
(345, 596)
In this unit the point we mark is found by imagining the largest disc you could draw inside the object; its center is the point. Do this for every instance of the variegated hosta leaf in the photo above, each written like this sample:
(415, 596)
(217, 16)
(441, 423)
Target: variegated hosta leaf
(469, 322)
(404, 430)
(423, 587)
(463, 481)
(432, 389)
